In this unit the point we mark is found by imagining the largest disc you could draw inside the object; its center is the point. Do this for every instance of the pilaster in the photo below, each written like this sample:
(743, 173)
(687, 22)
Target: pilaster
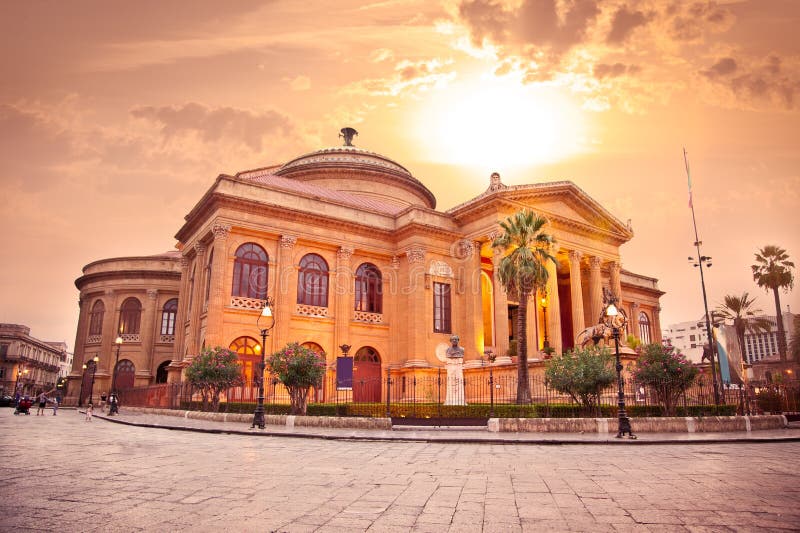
(418, 322)
(197, 299)
(180, 317)
(148, 329)
(343, 296)
(285, 286)
(216, 299)
(500, 306)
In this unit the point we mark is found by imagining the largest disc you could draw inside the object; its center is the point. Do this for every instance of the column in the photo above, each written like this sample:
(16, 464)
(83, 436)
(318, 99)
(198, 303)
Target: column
(595, 289)
(576, 293)
(500, 306)
(197, 299)
(473, 323)
(180, 317)
(285, 286)
(656, 324)
(149, 325)
(553, 307)
(216, 300)
(616, 287)
(418, 323)
(343, 294)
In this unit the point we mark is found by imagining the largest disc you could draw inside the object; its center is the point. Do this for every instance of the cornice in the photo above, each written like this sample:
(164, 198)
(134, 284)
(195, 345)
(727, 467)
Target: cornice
(126, 275)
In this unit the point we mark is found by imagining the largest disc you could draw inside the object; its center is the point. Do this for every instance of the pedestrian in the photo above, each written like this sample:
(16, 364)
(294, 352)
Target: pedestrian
(113, 404)
(42, 404)
(89, 412)
(56, 401)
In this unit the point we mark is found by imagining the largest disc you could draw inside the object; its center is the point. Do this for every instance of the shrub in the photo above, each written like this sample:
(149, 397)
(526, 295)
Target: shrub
(666, 371)
(213, 371)
(582, 374)
(298, 368)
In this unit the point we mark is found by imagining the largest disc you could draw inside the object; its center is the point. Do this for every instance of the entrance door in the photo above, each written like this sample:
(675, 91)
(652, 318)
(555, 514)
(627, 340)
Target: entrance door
(126, 373)
(367, 375)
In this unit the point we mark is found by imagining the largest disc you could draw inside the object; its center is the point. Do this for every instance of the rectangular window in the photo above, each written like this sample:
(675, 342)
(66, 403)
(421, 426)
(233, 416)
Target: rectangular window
(3, 350)
(692, 338)
(441, 308)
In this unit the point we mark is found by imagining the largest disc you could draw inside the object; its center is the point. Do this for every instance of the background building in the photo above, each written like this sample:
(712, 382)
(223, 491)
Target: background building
(27, 364)
(350, 246)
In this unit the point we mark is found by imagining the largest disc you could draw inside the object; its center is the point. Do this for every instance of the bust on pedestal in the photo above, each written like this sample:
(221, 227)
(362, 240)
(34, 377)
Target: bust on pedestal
(455, 373)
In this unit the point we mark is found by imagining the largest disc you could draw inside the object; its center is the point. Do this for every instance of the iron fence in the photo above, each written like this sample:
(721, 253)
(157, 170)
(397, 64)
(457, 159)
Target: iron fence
(423, 394)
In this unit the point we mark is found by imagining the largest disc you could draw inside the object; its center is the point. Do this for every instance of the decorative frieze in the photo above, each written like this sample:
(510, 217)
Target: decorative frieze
(167, 339)
(370, 318)
(415, 254)
(94, 339)
(311, 310)
(131, 337)
(288, 241)
(441, 269)
(152, 294)
(344, 254)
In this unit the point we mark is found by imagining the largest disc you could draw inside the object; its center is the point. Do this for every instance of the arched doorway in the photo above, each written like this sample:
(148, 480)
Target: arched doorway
(367, 375)
(249, 351)
(161, 372)
(317, 393)
(125, 374)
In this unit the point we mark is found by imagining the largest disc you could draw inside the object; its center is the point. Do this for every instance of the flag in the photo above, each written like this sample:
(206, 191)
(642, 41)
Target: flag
(688, 175)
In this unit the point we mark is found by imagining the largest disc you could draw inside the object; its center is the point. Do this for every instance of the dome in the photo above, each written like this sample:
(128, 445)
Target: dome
(361, 172)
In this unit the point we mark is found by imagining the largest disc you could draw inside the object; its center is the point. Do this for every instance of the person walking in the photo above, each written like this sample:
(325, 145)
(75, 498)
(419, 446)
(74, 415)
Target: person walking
(89, 412)
(56, 401)
(42, 404)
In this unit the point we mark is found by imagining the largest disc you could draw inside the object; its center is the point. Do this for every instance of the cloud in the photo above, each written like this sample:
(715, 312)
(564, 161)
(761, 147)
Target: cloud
(614, 70)
(300, 83)
(754, 83)
(408, 78)
(624, 23)
(214, 124)
(691, 21)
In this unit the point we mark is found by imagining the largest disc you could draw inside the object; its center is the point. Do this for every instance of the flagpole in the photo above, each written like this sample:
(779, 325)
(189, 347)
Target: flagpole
(700, 260)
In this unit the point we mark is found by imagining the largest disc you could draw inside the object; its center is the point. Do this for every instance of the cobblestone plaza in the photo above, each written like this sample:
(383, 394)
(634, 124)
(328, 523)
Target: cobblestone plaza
(65, 474)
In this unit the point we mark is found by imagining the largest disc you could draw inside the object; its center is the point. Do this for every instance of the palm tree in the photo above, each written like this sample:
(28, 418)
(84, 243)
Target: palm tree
(773, 270)
(742, 312)
(523, 271)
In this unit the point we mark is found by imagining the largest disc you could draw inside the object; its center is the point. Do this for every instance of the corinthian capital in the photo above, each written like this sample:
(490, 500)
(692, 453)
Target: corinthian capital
(595, 262)
(575, 256)
(220, 231)
(288, 241)
(415, 254)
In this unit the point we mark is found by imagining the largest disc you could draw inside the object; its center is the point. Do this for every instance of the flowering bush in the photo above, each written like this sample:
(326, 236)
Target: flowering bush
(666, 371)
(213, 371)
(582, 374)
(298, 368)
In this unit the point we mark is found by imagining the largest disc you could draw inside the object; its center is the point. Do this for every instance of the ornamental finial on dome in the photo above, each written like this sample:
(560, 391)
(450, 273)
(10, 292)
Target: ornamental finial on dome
(348, 134)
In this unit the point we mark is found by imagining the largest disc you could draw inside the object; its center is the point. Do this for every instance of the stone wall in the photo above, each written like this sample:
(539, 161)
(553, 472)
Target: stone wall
(707, 424)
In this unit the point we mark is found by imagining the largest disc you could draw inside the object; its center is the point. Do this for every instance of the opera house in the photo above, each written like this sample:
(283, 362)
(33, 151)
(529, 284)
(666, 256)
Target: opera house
(353, 252)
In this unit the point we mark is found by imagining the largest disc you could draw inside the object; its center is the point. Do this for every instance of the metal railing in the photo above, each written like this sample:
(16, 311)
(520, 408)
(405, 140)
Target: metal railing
(423, 395)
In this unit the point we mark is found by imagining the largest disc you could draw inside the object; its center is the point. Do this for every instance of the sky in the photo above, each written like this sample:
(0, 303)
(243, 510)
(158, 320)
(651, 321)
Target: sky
(115, 118)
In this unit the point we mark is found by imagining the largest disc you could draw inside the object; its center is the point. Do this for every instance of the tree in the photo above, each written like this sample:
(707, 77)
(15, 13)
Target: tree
(742, 312)
(773, 271)
(582, 374)
(213, 371)
(298, 368)
(666, 371)
(523, 271)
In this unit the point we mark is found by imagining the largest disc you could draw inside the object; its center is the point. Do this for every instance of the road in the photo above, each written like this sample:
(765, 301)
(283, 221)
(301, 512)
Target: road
(61, 473)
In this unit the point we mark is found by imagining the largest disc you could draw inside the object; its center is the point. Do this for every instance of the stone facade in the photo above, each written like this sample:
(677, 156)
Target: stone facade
(353, 252)
(28, 365)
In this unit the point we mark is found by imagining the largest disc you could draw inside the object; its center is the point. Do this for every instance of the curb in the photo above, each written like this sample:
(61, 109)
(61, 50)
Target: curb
(612, 441)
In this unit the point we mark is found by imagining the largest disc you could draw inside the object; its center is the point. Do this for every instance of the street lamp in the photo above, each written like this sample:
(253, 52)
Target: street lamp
(94, 371)
(616, 321)
(20, 372)
(545, 343)
(706, 260)
(268, 323)
(118, 342)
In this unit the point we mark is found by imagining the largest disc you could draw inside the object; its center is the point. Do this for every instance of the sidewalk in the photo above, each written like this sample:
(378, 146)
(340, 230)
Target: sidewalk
(478, 435)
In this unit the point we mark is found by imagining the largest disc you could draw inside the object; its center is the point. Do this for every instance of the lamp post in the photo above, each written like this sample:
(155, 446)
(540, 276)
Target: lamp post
(20, 372)
(545, 343)
(118, 342)
(269, 323)
(706, 260)
(616, 321)
(94, 371)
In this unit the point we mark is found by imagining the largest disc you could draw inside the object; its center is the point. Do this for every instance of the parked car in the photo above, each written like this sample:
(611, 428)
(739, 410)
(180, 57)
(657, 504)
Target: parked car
(6, 401)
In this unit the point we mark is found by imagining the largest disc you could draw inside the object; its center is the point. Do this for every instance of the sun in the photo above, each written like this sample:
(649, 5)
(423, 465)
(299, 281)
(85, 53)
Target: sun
(500, 123)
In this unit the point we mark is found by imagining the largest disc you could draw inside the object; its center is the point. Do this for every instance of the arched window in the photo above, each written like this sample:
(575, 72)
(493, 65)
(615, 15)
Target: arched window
(168, 315)
(130, 316)
(250, 272)
(161, 372)
(96, 318)
(369, 289)
(208, 275)
(249, 351)
(644, 328)
(312, 281)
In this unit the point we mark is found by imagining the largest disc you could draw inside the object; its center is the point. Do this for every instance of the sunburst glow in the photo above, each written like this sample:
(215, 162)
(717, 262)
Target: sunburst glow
(498, 123)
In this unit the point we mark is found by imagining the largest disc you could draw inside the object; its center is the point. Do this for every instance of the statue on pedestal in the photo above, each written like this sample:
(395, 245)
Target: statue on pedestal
(455, 373)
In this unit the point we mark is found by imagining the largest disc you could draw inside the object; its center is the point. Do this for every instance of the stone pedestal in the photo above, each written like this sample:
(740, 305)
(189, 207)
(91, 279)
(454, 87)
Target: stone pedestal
(455, 382)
